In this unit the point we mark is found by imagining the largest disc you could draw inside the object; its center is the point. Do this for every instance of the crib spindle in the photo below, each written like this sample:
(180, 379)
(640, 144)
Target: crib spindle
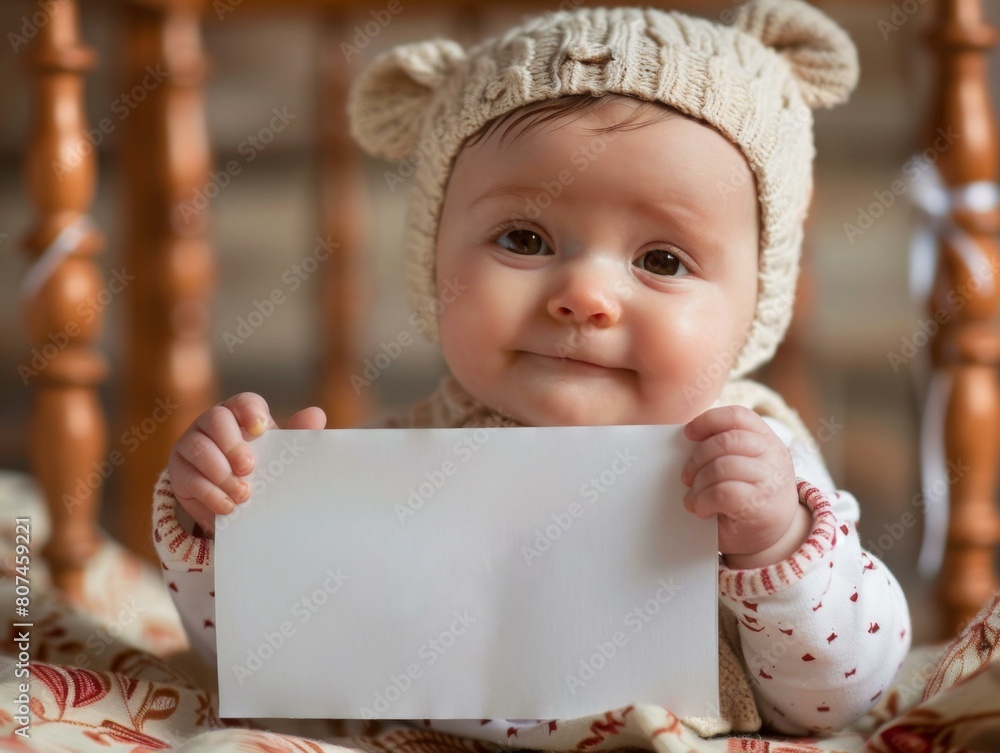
(967, 350)
(169, 374)
(346, 293)
(68, 435)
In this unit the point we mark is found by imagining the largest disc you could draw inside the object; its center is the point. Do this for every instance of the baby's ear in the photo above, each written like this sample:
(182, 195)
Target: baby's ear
(388, 101)
(823, 58)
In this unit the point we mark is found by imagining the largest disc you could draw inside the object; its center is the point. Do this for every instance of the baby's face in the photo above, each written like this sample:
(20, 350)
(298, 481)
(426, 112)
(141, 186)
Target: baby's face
(605, 279)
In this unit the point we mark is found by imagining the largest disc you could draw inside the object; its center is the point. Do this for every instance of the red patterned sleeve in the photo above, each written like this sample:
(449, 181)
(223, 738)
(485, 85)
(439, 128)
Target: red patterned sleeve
(823, 632)
(186, 563)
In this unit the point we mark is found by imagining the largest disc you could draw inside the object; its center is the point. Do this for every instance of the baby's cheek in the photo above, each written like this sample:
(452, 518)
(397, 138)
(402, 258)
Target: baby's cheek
(454, 342)
(707, 368)
(697, 350)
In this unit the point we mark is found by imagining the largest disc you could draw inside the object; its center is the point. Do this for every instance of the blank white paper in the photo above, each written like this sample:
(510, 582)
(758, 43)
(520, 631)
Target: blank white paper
(515, 573)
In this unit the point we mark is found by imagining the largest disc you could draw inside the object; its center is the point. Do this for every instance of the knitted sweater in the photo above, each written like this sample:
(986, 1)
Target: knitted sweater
(805, 645)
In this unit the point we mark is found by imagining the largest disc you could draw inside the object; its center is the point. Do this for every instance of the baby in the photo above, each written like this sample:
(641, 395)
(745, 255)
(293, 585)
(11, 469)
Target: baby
(614, 201)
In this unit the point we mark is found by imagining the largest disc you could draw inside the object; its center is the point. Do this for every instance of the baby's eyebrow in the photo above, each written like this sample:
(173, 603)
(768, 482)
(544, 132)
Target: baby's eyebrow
(504, 190)
(673, 210)
(690, 224)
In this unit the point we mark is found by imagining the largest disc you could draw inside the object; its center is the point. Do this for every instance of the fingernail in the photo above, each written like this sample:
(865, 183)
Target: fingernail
(243, 490)
(228, 506)
(258, 428)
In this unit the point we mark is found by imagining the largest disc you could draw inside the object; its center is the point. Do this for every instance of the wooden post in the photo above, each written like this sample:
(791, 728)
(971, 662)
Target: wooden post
(346, 292)
(67, 433)
(169, 378)
(967, 350)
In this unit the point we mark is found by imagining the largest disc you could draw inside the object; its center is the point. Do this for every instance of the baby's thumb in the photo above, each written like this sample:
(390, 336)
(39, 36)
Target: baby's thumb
(309, 418)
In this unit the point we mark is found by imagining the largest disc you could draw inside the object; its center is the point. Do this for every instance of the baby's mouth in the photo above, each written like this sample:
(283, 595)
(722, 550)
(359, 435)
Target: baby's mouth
(585, 363)
(569, 361)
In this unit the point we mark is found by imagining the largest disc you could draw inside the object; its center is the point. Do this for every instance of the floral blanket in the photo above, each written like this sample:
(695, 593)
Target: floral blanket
(114, 673)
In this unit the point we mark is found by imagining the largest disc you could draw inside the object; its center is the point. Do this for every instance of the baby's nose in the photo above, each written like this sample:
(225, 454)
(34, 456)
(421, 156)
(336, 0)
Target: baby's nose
(586, 296)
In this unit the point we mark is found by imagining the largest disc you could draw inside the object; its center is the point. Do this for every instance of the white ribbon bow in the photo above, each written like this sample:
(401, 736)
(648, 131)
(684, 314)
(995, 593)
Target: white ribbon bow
(938, 203)
(61, 246)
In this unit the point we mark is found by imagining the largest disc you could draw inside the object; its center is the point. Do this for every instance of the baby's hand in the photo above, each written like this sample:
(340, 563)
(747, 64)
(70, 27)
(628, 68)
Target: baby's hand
(208, 459)
(742, 471)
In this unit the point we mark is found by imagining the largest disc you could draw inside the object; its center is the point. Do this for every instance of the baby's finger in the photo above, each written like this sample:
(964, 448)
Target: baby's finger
(251, 412)
(735, 442)
(205, 520)
(231, 421)
(729, 498)
(727, 468)
(196, 493)
(204, 454)
(724, 418)
(223, 433)
(308, 418)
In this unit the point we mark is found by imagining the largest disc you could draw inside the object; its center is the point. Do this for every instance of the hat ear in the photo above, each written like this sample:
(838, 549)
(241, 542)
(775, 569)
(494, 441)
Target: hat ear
(387, 102)
(822, 56)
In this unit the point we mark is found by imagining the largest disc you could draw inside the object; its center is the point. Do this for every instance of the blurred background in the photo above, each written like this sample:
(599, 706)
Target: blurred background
(857, 311)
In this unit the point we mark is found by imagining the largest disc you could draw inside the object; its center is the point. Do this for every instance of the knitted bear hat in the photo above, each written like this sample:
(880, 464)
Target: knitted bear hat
(754, 81)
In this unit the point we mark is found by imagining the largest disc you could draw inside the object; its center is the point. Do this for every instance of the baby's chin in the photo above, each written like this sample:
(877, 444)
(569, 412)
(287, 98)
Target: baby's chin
(545, 402)
(578, 410)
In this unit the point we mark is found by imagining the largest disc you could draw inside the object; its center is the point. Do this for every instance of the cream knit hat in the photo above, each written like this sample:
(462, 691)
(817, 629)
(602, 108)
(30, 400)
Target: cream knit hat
(754, 81)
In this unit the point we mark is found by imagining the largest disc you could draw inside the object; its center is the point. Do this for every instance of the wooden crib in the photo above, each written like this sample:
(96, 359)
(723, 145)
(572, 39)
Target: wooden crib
(166, 158)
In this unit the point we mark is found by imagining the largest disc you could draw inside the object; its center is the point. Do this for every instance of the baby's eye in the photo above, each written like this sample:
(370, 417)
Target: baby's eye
(661, 262)
(524, 242)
